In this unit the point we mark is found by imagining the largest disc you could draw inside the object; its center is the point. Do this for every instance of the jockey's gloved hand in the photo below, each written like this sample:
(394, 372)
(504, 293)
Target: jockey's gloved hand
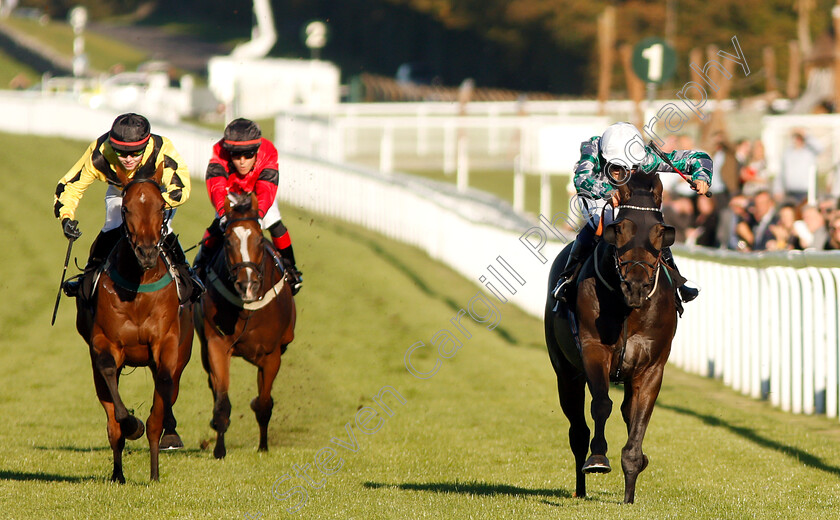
(223, 222)
(71, 229)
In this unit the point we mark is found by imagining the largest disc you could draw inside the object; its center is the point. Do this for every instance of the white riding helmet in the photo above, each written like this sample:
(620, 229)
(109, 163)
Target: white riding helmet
(623, 144)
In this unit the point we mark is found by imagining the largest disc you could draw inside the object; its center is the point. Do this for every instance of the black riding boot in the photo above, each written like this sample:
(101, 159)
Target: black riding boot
(581, 248)
(82, 285)
(191, 287)
(295, 277)
(686, 293)
(207, 248)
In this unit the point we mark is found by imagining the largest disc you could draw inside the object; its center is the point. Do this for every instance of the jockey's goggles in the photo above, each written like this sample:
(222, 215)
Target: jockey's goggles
(248, 154)
(618, 173)
(132, 153)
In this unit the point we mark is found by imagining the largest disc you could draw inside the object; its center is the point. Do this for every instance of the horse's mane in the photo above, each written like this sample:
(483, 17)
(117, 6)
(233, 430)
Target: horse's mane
(241, 203)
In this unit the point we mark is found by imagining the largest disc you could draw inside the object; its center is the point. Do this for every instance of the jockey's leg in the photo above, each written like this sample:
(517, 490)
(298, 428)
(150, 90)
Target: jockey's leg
(191, 286)
(207, 249)
(99, 251)
(686, 293)
(581, 248)
(283, 242)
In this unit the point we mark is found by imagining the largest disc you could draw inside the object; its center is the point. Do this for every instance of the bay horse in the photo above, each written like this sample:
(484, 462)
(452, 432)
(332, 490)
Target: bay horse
(247, 311)
(135, 320)
(625, 316)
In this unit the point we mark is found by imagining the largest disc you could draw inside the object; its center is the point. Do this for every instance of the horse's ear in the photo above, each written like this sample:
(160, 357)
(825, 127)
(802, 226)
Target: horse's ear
(662, 236)
(255, 203)
(657, 191)
(227, 206)
(122, 175)
(669, 236)
(158, 176)
(609, 234)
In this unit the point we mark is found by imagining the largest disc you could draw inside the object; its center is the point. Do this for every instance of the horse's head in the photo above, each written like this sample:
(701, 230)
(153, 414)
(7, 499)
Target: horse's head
(143, 210)
(639, 235)
(244, 245)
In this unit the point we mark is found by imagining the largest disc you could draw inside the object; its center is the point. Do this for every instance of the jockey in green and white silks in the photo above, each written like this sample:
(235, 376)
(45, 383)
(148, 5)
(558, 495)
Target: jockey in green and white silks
(606, 158)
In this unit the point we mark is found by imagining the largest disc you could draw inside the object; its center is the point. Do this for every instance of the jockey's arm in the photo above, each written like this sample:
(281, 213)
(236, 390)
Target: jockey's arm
(176, 176)
(589, 178)
(72, 186)
(694, 163)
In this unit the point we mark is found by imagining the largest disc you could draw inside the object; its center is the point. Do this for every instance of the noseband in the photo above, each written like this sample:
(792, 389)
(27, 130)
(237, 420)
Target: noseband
(233, 269)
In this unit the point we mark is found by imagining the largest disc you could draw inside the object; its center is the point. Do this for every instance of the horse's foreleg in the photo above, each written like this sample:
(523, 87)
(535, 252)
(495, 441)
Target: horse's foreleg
(115, 437)
(596, 364)
(571, 386)
(263, 403)
(171, 440)
(105, 365)
(639, 398)
(218, 360)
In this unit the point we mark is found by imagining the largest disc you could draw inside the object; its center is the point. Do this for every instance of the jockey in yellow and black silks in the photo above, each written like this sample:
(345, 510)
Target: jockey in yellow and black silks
(131, 147)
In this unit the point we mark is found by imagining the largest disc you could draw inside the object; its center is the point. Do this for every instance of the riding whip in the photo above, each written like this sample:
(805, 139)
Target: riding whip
(63, 274)
(658, 151)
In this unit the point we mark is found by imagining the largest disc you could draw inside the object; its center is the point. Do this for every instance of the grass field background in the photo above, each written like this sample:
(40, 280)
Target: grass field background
(483, 438)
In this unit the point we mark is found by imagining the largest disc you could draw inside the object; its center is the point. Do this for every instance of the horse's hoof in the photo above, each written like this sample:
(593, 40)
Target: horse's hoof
(171, 441)
(219, 451)
(132, 428)
(597, 464)
(118, 478)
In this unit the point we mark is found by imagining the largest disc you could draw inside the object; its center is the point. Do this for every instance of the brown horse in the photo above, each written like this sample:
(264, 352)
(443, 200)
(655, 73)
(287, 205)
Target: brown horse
(247, 311)
(625, 314)
(135, 320)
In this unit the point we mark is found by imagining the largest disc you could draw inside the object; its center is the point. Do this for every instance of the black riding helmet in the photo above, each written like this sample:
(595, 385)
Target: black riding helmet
(129, 133)
(242, 136)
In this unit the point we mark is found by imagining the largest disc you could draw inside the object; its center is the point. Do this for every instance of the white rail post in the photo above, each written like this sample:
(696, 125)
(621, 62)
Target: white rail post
(386, 150)
(462, 179)
(518, 184)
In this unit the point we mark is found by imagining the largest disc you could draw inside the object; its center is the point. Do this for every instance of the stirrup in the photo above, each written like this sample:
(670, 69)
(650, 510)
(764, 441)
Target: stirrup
(561, 287)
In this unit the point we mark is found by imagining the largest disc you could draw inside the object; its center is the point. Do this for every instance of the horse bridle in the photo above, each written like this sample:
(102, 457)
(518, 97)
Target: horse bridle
(164, 226)
(622, 267)
(235, 268)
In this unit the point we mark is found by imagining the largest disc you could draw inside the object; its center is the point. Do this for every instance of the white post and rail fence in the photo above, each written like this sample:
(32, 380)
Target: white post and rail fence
(766, 324)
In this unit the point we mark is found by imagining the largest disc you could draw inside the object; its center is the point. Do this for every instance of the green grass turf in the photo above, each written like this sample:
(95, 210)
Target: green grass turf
(103, 53)
(483, 438)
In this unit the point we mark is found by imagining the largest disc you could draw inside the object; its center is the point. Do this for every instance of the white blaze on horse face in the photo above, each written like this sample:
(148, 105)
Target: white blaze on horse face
(242, 234)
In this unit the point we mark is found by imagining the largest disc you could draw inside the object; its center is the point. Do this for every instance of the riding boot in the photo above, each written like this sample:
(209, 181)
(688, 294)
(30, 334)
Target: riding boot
(191, 287)
(686, 293)
(207, 248)
(82, 285)
(294, 276)
(581, 248)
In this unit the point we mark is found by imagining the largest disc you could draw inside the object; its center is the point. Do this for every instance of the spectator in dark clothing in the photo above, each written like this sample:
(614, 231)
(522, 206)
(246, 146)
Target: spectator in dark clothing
(833, 242)
(755, 230)
(704, 230)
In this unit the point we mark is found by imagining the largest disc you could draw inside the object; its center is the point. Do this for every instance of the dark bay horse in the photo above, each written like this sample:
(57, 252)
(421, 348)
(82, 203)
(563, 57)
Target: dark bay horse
(625, 313)
(247, 311)
(135, 320)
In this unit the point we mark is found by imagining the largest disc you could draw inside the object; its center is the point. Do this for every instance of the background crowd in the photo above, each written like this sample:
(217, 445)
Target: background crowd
(750, 211)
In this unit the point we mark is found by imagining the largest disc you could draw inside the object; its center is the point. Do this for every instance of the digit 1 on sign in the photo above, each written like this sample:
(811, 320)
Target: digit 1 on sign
(653, 55)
